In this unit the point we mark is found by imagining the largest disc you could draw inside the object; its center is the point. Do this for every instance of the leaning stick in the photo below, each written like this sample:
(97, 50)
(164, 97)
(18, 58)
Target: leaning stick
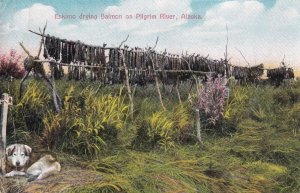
(127, 78)
(30, 58)
(25, 50)
(42, 40)
(22, 82)
(156, 81)
(56, 98)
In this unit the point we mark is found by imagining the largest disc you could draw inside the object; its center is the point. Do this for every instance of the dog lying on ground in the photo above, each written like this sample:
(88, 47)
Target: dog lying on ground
(20, 162)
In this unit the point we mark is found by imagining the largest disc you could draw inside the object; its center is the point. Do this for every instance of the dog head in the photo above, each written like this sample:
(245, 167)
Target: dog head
(18, 155)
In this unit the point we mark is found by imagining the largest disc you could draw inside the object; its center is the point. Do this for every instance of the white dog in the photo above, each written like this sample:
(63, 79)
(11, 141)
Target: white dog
(21, 163)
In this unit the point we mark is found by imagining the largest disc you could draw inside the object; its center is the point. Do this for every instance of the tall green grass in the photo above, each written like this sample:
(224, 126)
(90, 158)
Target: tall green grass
(256, 147)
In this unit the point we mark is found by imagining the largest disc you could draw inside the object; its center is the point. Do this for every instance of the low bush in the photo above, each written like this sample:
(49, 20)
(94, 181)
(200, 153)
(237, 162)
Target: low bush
(10, 65)
(211, 99)
(86, 122)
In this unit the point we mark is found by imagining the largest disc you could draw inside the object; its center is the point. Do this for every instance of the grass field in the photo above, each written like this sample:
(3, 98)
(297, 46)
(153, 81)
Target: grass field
(255, 147)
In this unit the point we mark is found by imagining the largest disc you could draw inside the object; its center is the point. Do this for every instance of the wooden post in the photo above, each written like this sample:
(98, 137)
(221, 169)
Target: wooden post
(157, 81)
(198, 126)
(127, 82)
(130, 95)
(177, 90)
(56, 99)
(5, 101)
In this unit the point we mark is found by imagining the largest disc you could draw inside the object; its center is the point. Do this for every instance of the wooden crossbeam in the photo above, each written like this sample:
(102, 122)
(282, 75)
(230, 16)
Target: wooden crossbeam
(122, 68)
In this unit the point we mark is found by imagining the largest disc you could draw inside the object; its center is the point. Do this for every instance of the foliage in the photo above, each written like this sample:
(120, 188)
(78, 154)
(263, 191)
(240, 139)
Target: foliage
(294, 116)
(164, 128)
(51, 131)
(92, 122)
(236, 103)
(211, 99)
(262, 155)
(161, 129)
(30, 109)
(182, 122)
(10, 65)
(287, 95)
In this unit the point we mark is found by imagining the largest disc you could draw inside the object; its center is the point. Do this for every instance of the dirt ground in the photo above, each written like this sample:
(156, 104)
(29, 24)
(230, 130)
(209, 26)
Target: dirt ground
(73, 174)
(67, 178)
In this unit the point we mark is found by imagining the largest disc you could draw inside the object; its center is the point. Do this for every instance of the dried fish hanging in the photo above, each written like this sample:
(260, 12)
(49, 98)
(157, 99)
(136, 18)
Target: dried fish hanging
(50, 46)
(75, 47)
(162, 65)
(71, 52)
(87, 61)
(119, 64)
(93, 59)
(111, 66)
(88, 55)
(125, 59)
(108, 66)
(130, 65)
(71, 56)
(133, 64)
(135, 74)
(150, 75)
(168, 66)
(144, 72)
(55, 54)
(83, 55)
(64, 52)
(96, 62)
(115, 65)
(141, 68)
(102, 63)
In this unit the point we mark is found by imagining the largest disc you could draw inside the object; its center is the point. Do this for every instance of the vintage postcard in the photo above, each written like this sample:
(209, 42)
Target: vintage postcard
(132, 96)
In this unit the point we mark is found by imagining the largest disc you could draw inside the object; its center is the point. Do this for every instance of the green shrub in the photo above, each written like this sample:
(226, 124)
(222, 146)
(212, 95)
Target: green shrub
(182, 123)
(30, 109)
(161, 129)
(236, 104)
(286, 96)
(294, 117)
(83, 126)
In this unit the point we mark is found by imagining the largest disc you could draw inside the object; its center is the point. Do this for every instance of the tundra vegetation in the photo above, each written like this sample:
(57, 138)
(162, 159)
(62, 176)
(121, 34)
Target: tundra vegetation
(250, 138)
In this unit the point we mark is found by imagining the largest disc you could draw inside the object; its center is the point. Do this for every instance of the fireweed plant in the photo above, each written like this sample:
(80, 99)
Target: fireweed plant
(211, 99)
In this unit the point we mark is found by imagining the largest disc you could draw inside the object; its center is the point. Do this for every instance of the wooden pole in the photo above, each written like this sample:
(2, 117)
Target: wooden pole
(157, 83)
(198, 126)
(130, 95)
(226, 54)
(127, 82)
(6, 100)
(177, 90)
(56, 99)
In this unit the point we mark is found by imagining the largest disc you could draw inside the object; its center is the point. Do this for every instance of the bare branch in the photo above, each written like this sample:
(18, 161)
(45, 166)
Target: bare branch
(155, 43)
(226, 53)
(243, 56)
(42, 40)
(283, 58)
(282, 62)
(123, 41)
